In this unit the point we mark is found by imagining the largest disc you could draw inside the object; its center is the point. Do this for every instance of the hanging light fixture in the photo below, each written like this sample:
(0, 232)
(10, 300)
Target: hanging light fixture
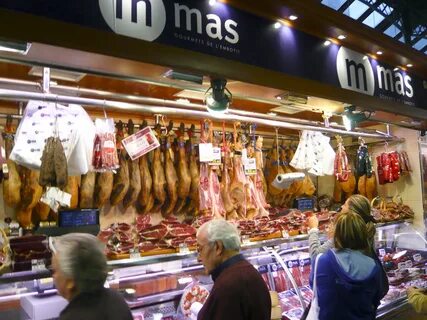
(351, 118)
(218, 97)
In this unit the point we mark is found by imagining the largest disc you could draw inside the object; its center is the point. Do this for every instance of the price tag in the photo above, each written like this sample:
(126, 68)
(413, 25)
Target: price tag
(250, 166)
(183, 249)
(381, 252)
(244, 156)
(37, 265)
(134, 254)
(285, 234)
(205, 152)
(216, 157)
(408, 264)
(245, 239)
(140, 143)
(417, 257)
(401, 265)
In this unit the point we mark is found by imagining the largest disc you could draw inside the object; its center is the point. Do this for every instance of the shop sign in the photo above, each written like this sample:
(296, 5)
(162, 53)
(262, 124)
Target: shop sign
(226, 32)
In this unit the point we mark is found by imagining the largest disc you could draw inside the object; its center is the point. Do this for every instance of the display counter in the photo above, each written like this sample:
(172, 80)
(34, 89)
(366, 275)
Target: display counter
(155, 285)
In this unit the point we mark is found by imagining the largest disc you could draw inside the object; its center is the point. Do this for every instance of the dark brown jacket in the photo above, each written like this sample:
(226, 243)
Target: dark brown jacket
(239, 293)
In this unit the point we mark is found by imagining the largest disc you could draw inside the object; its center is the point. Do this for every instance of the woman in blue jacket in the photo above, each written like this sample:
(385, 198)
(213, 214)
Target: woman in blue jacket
(348, 279)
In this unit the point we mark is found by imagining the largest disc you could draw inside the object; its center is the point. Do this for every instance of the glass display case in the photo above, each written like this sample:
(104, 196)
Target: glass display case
(162, 287)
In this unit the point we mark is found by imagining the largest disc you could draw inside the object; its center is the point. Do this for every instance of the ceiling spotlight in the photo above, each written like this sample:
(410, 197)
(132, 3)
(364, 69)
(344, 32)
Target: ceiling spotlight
(212, 2)
(16, 47)
(218, 97)
(379, 52)
(293, 17)
(396, 69)
(279, 97)
(409, 65)
(277, 25)
(326, 43)
(341, 37)
(351, 118)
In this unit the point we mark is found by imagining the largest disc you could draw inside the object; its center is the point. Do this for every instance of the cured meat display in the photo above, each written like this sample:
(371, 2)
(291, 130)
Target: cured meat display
(12, 180)
(146, 196)
(183, 171)
(87, 188)
(134, 176)
(172, 181)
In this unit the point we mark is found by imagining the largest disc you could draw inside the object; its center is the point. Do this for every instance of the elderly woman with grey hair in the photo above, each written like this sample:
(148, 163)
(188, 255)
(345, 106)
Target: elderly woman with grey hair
(79, 272)
(239, 292)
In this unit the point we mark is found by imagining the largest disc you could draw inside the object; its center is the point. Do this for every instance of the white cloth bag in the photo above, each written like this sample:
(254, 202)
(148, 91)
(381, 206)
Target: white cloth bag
(313, 313)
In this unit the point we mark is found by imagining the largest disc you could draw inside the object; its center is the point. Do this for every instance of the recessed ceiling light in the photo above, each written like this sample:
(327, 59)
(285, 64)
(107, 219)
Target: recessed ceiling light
(277, 25)
(396, 69)
(279, 97)
(409, 65)
(293, 17)
(212, 2)
(326, 43)
(273, 114)
(341, 37)
(379, 52)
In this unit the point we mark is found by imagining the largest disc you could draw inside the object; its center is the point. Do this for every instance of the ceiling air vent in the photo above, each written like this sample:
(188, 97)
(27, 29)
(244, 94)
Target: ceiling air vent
(58, 74)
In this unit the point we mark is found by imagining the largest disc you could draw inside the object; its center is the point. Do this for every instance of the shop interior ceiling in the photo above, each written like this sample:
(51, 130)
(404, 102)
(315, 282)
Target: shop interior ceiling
(124, 80)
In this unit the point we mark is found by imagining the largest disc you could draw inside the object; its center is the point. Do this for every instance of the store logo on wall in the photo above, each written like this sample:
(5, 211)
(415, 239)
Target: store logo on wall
(141, 19)
(355, 71)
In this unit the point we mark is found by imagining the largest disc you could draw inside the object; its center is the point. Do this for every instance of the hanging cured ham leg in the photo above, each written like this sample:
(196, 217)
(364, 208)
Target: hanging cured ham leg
(159, 179)
(103, 188)
(121, 178)
(12, 180)
(134, 176)
(183, 171)
(145, 197)
(87, 189)
(171, 180)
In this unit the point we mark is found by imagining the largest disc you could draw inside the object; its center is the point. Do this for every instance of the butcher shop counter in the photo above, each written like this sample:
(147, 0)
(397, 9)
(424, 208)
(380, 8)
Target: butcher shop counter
(155, 285)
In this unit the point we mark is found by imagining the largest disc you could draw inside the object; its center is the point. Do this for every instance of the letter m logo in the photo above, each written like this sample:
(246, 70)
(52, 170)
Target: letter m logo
(354, 71)
(134, 11)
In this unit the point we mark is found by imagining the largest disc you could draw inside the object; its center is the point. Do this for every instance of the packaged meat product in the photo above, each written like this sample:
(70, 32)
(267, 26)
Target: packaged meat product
(280, 281)
(105, 156)
(263, 270)
(192, 293)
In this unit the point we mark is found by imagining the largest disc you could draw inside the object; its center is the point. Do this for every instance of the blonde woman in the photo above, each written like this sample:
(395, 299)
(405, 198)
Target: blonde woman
(361, 206)
(348, 278)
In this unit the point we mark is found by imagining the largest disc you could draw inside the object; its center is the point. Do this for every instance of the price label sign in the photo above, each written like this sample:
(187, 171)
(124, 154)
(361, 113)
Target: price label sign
(381, 252)
(37, 265)
(134, 254)
(140, 143)
(417, 257)
(408, 264)
(250, 167)
(401, 265)
(183, 248)
(205, 152)
(216, 157)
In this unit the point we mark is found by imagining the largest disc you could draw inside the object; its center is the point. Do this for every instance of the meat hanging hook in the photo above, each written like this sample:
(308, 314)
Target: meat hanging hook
(277, 147)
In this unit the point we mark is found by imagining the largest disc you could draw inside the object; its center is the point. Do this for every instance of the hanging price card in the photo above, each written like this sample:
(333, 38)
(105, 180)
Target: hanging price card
(140, 143)
(250, 167)
(205, 152)
(216, 160)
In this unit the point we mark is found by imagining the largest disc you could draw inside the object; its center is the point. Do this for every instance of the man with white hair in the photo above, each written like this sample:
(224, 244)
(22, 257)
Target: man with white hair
(79, 272)
(239, 292)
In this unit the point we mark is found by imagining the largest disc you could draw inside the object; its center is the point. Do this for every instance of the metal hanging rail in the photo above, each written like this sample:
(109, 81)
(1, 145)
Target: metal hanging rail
(17, 95)
(78, 91)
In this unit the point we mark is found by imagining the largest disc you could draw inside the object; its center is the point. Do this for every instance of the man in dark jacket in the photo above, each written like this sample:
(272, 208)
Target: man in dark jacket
(239, 292)
(79, 271)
